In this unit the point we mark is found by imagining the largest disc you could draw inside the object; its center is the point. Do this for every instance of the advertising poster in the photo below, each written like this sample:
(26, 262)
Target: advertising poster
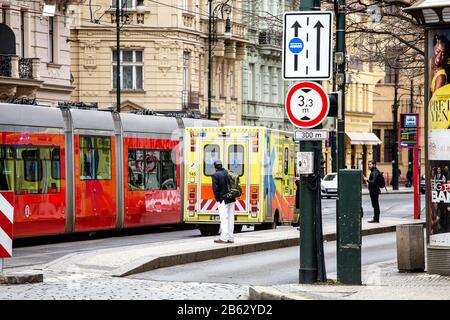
(439, 135)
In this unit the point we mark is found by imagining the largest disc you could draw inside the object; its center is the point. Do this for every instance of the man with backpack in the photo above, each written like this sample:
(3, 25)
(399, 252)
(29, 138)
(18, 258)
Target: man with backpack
(375, 182)
(225, 194)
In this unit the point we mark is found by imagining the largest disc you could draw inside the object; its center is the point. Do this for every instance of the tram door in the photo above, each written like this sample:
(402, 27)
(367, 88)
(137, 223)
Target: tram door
(95, 183)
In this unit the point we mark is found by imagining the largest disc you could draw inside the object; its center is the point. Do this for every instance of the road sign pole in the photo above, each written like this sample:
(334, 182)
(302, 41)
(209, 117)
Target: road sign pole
(1, 265)
(312, 267)
(416, 182)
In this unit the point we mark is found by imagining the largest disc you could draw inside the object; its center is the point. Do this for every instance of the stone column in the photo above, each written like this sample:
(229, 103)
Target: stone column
(14, 67)
(35, 63)
(358, 154)
(348, 155)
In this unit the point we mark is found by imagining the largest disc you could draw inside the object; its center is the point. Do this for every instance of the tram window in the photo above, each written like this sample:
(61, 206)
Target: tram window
(286, 161)
(6, 168)
(95, 158)
(32, 165)
(56, 164)
(37, 170)
(211, 153)
(150, 170)
(167, 171)
(135, 169)
(236, 159)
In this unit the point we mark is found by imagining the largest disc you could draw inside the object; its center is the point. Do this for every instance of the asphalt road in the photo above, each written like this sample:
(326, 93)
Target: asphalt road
(31, 253)
(272, 267)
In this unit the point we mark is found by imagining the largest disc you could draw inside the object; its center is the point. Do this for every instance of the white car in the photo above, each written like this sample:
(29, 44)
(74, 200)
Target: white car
(329, 185)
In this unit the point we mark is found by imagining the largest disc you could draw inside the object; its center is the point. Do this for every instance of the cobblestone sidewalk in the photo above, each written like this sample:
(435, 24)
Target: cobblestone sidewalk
(84, 286)
(381, 281)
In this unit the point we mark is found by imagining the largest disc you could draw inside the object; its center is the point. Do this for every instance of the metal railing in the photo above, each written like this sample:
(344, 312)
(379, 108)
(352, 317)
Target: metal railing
(12, 66)
(268, 37)
(190, 100)
(5, 66)
(26, 68)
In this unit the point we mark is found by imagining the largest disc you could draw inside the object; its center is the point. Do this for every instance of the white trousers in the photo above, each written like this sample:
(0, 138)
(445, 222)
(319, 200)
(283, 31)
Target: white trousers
(226, 214)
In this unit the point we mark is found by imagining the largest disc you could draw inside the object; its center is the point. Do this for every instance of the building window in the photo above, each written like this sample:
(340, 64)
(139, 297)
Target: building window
(280, 86)
(3, 11)
(95, 158)
(388, 142)
(251, 81)
(125, 4)
(261, 83)
(186, 63)
(151, 170)
(221, 72)
(376, 149)
(389, 74)
(185, 4)
(131, 69)
(51, 39)
(22, 33)
(230, 82)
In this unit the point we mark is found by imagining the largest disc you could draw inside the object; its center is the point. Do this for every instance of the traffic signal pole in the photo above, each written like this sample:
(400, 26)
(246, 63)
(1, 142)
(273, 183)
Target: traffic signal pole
(312, 266)
(340, 78)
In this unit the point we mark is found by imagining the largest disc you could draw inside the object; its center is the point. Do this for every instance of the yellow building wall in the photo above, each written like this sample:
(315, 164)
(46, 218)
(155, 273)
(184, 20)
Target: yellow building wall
(165, 34)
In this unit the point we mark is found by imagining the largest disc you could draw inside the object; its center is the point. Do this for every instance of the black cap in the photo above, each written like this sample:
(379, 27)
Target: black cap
(217, 163)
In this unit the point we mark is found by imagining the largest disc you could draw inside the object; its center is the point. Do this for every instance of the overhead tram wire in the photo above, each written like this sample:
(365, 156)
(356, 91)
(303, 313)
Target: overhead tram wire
(133, 25)
(96, 22)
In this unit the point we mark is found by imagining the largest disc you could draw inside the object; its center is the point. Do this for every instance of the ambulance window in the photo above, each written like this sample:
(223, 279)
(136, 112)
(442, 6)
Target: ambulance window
(211, 154)
(286, 161)
(236, 159)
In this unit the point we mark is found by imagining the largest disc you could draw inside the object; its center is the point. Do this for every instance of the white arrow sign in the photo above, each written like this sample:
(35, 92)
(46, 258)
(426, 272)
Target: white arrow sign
(307, 45)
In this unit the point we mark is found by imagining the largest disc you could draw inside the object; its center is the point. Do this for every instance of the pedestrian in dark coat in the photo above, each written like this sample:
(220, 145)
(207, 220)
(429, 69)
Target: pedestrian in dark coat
(374, 190)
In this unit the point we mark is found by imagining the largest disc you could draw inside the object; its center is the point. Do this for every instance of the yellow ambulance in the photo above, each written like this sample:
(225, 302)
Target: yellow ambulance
(265, 161)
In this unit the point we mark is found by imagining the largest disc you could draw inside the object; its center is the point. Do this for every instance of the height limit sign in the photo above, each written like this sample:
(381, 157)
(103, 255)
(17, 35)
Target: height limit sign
(307, 45)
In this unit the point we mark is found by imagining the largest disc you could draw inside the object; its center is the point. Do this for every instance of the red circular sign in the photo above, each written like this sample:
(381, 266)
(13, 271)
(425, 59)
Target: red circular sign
(307, 104)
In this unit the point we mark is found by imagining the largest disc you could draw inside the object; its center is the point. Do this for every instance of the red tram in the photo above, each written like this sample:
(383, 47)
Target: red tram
(77, 170)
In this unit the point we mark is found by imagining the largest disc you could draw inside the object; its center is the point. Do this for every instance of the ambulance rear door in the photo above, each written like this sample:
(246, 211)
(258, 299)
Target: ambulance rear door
(210, 150)
(237, 161)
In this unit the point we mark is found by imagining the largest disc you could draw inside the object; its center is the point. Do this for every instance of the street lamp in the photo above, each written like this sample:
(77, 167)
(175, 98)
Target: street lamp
(212, 18)
(140, 8)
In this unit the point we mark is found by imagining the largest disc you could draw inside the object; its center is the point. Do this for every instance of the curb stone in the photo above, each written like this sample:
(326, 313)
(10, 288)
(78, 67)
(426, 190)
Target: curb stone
(266, 293)
(21, 278)
(145, 264)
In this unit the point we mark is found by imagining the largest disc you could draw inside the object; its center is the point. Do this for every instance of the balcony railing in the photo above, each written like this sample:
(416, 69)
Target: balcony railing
(270, 38)
(26, 68)
(190, 100)
(5, 66)
(15, 67)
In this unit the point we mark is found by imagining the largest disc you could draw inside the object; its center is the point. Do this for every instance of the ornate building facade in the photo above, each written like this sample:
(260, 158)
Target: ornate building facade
(164, 56)
(35, 53)
(264, 88)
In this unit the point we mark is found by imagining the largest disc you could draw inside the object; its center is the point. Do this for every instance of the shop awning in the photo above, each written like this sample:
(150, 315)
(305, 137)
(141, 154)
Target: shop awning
(363, 138)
